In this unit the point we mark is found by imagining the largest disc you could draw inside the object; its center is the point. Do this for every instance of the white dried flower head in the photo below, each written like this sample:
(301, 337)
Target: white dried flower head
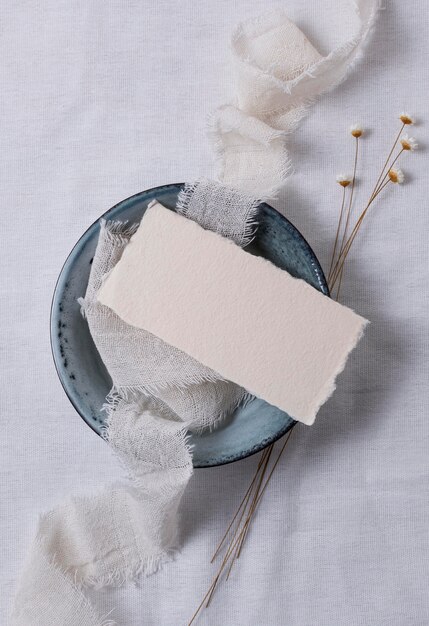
(406, 118)
(356, 130)
(396, 176)
(409, 143)
(344, 180)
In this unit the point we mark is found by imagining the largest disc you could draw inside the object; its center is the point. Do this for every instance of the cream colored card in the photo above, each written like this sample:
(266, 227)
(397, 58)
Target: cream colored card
(248, 320)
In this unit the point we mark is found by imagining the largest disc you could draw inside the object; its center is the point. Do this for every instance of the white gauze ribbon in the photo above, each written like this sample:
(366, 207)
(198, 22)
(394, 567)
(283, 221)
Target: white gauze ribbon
(278, 75)
(131, 527)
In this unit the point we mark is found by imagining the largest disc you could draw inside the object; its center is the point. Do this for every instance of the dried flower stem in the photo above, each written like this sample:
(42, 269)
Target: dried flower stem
(235, 544)
(253, 505)
(244, 502)
(351, 193)
(343, 255)
(340, 219)
(349, 209)
(241, 530)
(257, 487)
(288, 436)
(335, 273)
(388, 169)
(386, 163)
(235, 541)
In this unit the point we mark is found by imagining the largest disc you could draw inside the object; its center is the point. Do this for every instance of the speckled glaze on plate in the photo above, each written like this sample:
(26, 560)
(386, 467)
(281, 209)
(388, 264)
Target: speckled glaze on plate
(83, 375)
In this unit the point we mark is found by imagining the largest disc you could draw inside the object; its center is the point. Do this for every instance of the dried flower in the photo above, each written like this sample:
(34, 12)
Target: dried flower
(406, 118)
(396, 176)
(356, 130)
(409, 143)
(344, 180)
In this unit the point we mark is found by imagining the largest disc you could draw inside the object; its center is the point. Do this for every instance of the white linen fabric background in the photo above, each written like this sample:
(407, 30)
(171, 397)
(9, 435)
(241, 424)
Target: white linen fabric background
(103, 99)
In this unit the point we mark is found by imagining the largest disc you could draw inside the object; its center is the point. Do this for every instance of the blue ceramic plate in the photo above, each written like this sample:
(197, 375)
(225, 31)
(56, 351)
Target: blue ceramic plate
(83, 375)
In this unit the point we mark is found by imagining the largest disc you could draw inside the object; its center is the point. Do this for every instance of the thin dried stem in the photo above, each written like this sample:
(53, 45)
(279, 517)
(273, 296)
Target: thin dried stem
(200, 606)
(388, 159)
(219, 572)
(349, 210)
(340, 219)
(237, 546)
(350, 240)
(258, 496)
(255, 496)
(238, 539)
(234, 541)
(282, 449)
(243, 529)
(337, 295)
(245, 497)
(381, 184)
